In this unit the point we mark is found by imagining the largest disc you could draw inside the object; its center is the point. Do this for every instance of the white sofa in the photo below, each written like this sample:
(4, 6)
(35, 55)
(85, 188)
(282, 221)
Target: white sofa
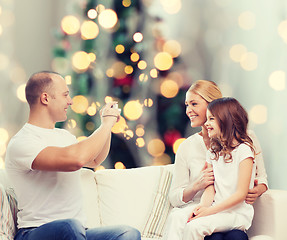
(138, 197)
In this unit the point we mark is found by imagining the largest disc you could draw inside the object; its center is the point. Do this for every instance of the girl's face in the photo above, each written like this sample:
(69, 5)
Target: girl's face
(195, 109)
(212, 125)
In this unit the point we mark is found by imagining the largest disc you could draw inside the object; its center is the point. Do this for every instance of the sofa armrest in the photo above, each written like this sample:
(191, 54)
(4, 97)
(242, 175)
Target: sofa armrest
(270, 214)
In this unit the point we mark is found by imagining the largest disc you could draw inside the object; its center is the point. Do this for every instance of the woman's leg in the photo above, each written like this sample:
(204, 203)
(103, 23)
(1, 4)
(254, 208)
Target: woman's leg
(68, 229)
(235, 234)
(176, 222)
(113, 233)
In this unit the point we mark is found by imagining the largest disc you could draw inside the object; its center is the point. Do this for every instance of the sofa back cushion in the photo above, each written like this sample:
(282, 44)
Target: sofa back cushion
(135, 197)
(90, 198)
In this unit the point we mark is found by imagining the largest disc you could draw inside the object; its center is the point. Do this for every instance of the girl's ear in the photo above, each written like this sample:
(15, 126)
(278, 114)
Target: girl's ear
(44, 98)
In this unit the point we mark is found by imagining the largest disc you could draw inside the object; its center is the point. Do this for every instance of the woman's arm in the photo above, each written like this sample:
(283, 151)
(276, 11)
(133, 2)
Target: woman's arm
(244, 177)
(261, 183)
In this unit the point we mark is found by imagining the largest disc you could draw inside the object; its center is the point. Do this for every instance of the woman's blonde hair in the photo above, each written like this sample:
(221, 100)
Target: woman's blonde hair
(208, 90)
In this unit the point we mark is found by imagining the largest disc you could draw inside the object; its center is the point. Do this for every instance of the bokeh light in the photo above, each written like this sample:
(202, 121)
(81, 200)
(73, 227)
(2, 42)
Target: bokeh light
(89, 30)
(140, 131)
(126, 3)
(236, 52)
(169, 88)
(277, 80)
(120, 48)
(4, 136)
(71, 123)
(176, 144)
(81, 138)
(92, 110)
(92, 14)
(156, 147)
(164, 159)
(171, 6)
(21, 92)
(133, 110)
(135, 57)
(153, 73)
(142, 65)
(119, 165)
(68, 79)
(129, 134)
(258, 114)
(80, 104)
(138, 37)
(119, 69)
(80, 61)
(108, 18)
(172, 47)
(249, 61)
(163, 61)
(247, 20)
(129, 69)
(119, 126)
(140, 142)
(70, 24)
(282, 30)
(148, 102)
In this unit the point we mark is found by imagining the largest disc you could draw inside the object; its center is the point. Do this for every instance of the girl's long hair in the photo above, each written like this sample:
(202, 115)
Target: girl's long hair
(232, 120)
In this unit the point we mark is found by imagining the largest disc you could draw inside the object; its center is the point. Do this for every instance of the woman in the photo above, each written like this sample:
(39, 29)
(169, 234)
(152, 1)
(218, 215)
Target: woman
(191, 175)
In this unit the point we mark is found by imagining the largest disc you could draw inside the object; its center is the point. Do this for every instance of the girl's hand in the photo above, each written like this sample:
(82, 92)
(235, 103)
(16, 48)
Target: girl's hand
(205, 178)
(197, 212)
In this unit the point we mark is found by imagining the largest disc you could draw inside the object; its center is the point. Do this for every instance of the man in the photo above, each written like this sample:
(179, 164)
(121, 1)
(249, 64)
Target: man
(43, 164)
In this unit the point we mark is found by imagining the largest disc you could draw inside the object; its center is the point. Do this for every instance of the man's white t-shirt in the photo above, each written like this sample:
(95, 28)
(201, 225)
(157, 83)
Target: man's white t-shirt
(43, 196)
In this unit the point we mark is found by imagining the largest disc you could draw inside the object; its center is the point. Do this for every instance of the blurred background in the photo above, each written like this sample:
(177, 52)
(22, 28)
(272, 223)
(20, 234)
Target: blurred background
(145, 54)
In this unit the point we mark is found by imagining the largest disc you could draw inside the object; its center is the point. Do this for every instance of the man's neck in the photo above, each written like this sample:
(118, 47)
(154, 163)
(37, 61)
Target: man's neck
(40, 120)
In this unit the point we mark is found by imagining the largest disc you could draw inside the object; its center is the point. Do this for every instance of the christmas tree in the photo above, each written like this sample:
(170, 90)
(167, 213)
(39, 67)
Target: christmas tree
(115, 51)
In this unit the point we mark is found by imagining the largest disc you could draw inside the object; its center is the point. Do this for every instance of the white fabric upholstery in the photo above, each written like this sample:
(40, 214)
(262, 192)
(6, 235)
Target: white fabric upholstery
(91, 206)
(128, 197)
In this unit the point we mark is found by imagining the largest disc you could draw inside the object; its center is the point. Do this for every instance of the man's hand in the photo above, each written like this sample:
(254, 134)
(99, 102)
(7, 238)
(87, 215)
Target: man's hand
(255, 192)
(110, 114)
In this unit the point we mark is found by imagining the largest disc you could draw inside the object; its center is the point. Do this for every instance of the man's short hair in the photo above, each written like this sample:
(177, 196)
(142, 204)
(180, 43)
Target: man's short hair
(37, 84)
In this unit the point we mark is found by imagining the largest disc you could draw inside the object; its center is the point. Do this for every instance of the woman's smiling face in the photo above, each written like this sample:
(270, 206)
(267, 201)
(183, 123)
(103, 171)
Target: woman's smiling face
(196, 108)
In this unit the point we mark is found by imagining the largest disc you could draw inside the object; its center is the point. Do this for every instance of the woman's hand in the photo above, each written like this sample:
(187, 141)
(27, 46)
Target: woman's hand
(205, 178)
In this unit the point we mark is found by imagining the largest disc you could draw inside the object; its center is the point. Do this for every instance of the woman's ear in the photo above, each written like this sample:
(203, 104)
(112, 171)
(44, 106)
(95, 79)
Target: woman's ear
(44, 98)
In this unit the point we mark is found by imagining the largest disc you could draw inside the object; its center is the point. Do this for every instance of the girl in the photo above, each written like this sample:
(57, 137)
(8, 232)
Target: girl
(231, 155)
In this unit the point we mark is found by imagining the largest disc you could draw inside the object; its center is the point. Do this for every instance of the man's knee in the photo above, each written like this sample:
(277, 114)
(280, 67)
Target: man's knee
(71, 229)
(129, 233)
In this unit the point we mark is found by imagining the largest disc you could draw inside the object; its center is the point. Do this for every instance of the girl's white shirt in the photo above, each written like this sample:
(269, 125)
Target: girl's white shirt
(189, 161)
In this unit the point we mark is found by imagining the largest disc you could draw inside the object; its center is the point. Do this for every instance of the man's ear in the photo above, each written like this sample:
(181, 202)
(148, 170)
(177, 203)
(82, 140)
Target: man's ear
(44, 98)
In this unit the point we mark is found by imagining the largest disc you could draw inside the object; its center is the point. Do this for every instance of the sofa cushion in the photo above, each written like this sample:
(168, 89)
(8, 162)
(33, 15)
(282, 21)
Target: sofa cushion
(7, 214)
(128, 196)
(90, 198)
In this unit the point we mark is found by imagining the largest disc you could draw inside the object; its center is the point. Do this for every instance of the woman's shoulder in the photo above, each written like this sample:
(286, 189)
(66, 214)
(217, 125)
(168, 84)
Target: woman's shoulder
(190, 142)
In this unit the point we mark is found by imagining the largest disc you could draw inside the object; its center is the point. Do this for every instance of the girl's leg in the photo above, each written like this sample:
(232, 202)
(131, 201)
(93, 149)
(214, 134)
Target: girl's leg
(198, 228)
(215, 236)
(68, 229)
(113, 233)
(235, 234)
